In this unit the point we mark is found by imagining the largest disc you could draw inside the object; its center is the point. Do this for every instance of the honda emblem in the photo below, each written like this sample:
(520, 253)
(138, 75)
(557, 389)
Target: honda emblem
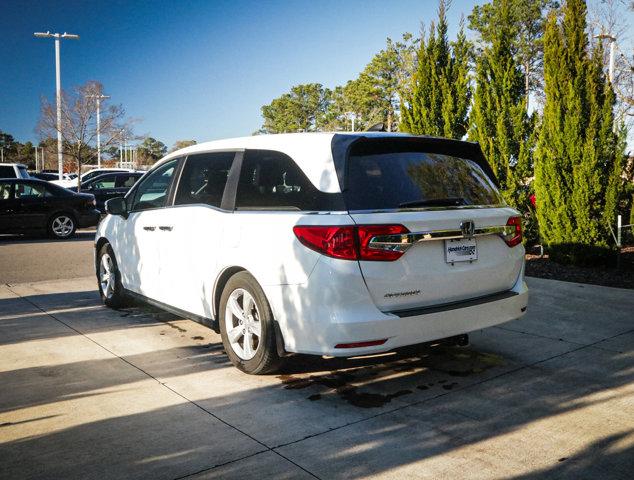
(468, 228)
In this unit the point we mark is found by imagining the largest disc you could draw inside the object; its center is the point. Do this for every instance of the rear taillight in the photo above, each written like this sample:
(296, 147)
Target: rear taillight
(513, 231)
(369, 250)
(337, 242)
(350, 242)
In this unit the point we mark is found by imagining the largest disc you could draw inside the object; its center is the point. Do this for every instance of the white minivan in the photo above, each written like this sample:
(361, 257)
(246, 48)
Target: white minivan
(318, 243)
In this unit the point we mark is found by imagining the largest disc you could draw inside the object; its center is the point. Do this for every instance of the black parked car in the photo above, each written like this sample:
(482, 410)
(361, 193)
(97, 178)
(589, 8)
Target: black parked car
(109, 185)
(29, 206)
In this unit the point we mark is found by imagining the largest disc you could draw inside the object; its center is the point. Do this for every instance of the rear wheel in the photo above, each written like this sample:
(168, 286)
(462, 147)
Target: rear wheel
(109, 279)
(246, 326)
(61, 226)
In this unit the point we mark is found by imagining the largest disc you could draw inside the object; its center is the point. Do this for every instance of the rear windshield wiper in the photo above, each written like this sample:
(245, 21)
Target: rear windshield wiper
(436, 202)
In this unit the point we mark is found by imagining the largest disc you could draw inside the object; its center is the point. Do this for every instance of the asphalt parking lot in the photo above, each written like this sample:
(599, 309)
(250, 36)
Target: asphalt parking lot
(88, 392)
(36, 258)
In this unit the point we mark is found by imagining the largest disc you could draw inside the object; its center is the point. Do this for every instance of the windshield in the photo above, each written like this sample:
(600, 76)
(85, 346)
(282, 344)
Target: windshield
(415, 179)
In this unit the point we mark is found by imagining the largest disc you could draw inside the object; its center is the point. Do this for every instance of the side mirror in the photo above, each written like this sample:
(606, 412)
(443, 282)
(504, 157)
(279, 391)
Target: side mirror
(117, 206)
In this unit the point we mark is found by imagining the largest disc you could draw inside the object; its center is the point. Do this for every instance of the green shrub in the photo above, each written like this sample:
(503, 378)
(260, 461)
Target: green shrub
(579, 156)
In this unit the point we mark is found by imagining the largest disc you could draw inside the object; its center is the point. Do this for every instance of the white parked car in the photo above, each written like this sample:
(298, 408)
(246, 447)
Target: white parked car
(318, 243)
(70, 179)
(13, 170)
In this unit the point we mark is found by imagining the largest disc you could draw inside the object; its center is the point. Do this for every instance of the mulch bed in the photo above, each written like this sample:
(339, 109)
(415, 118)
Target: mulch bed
(608, 276)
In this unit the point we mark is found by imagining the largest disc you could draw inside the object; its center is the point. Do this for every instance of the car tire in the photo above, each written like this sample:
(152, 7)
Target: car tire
(109, 279)
(62, 226)
(248, 337)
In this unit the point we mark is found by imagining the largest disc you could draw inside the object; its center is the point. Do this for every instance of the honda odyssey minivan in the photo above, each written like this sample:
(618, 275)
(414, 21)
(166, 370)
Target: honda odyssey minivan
(318, 243)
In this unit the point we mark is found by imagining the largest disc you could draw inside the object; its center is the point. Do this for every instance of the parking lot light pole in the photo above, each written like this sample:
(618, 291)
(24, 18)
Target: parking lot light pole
(612, 39)
(58, 91)
(352, 117)
(99, 98)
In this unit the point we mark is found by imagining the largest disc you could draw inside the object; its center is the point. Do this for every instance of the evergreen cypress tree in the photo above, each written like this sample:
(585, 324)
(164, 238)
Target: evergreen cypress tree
(499, 121)
(579, 155)
(440, 93)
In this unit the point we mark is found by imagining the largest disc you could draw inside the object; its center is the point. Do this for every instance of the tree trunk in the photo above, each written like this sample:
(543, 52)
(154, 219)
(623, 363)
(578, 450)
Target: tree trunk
(527, 71)
(79, 168)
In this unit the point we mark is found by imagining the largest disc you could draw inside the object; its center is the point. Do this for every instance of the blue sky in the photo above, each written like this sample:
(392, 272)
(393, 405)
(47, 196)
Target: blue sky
(193, 69)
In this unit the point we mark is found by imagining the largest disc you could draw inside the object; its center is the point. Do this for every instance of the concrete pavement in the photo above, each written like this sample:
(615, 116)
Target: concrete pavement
(88, 392)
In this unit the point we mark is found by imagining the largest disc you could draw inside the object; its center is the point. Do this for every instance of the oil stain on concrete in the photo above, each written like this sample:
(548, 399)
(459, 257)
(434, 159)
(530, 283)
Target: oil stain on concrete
(348, 383)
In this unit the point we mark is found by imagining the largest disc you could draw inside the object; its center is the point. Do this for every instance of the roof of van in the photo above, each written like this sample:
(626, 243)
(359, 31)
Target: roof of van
(312, 151)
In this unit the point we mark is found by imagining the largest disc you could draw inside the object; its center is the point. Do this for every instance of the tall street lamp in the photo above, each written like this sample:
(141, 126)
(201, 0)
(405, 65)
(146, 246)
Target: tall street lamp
(99, 98)
(352, 116)
(58, 84)
(39, 163)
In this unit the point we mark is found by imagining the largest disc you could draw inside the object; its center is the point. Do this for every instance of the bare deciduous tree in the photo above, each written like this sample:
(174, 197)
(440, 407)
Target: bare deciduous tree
(610, 17)
(79, 125)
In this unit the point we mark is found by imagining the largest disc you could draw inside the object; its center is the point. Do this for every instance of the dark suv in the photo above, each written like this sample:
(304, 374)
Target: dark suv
(109, 185)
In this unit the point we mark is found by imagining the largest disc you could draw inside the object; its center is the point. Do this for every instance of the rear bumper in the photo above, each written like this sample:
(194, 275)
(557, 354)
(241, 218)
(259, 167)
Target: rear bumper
(316, 316)
(89, 218)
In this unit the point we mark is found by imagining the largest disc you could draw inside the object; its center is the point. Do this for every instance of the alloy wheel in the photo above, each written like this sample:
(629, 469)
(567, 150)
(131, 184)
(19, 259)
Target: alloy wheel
(107, 275)
(242, 322)
(62, 226)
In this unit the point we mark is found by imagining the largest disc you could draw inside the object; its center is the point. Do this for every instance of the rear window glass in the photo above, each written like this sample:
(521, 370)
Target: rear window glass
(6, 171)
(271, 180)
(58, 191)
(415, 179)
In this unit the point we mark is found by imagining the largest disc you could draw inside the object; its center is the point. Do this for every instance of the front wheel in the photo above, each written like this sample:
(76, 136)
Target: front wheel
(109, 279)
(61, 226)
(246, 326)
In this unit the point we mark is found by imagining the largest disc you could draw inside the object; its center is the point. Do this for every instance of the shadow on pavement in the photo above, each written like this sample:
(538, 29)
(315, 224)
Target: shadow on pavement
(426, 407)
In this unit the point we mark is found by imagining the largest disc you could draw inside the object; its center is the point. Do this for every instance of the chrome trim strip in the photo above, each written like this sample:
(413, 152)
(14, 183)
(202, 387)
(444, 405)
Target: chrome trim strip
(402, 242)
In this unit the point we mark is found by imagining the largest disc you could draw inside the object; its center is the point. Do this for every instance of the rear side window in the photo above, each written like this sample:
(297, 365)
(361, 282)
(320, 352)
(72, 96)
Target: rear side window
(29, 191)
(204, 178)
(107, 181)
(6, 171)
(5, 191)
(271, 180)
(57, 191)
(24, 173)
(412, 179)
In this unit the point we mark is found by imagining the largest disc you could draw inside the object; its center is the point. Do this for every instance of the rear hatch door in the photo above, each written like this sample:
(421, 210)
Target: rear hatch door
(444, 195)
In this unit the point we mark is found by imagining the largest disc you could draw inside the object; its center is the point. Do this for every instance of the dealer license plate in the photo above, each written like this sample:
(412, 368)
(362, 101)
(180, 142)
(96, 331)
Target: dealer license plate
(461, 250)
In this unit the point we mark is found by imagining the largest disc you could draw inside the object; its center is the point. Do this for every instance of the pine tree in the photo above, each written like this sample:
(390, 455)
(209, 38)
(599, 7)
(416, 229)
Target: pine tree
(579, 155)
(499, 121)
(441, 92)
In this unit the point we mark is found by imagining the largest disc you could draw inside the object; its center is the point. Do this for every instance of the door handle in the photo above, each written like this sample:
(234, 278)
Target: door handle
(166, 228)
(149, 229)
